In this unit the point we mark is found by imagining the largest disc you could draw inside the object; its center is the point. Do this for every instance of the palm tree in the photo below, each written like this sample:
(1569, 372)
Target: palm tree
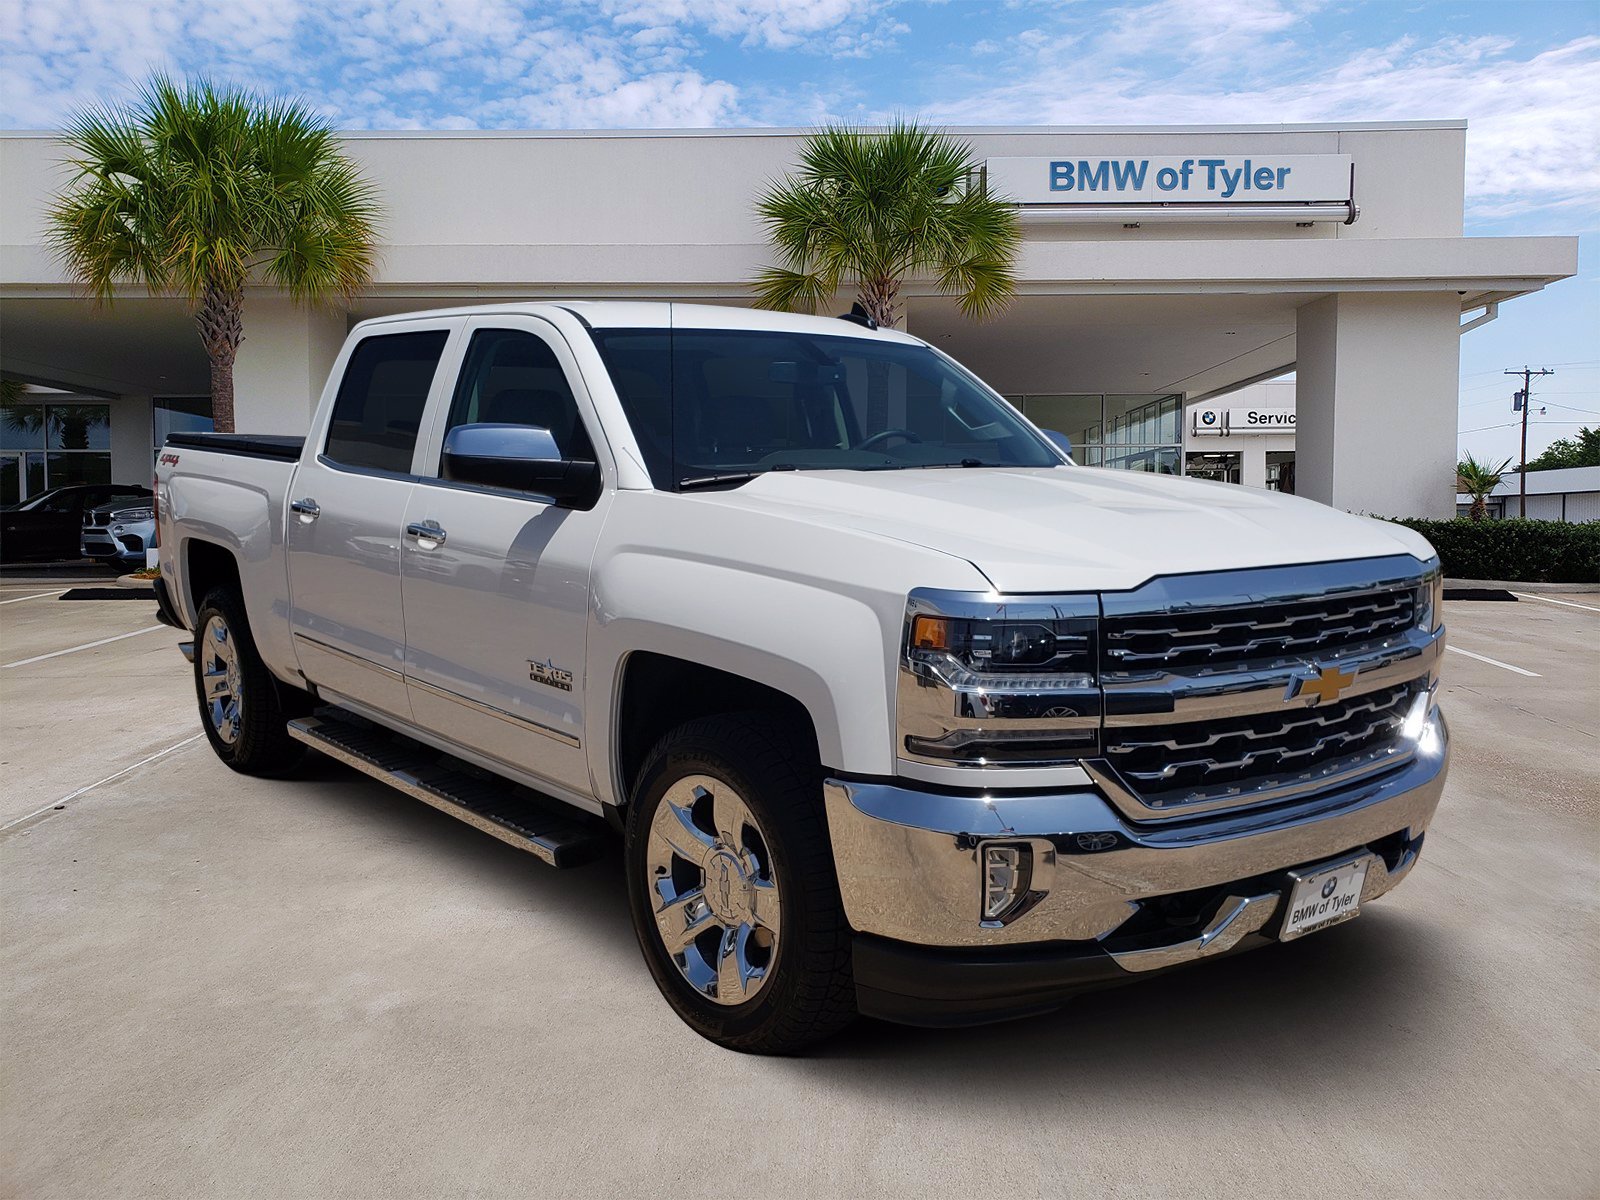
(197, 190)
(875, 208)
(1478, 480)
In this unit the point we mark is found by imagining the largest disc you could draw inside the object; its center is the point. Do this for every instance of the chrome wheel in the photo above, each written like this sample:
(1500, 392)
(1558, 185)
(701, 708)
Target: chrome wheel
(219, 676)
(712, 889)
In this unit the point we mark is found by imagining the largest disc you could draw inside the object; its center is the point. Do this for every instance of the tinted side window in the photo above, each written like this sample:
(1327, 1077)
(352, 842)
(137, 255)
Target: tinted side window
(378, 410)
(640, 363)
(512, 377)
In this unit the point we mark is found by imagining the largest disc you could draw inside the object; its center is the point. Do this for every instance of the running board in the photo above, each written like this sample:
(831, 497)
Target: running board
(516, 815)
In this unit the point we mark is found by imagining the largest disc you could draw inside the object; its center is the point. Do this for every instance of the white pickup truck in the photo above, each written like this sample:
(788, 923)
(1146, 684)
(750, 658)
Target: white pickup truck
(896, 710)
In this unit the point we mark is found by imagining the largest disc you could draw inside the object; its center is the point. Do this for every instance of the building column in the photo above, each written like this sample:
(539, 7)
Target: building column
(1376, 391)
(1253, 462)
(284, 360)
(132, 440)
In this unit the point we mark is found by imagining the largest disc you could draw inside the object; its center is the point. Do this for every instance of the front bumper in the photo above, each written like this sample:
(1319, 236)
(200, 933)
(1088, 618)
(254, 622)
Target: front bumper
(1109, 898)
(125, 545)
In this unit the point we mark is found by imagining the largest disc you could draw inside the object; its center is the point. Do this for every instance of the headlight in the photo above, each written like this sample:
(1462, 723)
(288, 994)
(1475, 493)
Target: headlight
(135, 514)
(987, 684)
(1430, 597)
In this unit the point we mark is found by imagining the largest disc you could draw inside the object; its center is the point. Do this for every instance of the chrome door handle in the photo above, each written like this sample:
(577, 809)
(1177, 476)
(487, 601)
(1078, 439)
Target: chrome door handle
(308, 510)
(427, 533)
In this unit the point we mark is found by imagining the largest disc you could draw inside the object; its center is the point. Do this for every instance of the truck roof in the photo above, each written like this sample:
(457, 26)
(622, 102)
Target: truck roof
(660, 314)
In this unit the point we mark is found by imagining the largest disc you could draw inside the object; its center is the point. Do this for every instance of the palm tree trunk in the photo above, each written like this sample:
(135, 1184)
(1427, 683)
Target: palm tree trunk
(1479, 508)
(879, 297)
(221, 321)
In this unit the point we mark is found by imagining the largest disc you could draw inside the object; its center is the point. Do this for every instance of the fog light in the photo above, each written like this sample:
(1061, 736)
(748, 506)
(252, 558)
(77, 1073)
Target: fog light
(1005, 879)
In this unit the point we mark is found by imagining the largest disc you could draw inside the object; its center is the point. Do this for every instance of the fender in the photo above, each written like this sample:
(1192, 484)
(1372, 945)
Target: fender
(811, 612)
(245, 518)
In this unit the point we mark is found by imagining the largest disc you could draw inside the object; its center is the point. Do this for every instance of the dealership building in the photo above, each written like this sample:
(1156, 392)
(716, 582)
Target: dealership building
(1164, 271)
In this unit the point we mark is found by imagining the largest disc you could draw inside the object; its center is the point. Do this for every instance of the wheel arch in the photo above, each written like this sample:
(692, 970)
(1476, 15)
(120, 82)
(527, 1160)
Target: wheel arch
(207, 565)
(658, 692)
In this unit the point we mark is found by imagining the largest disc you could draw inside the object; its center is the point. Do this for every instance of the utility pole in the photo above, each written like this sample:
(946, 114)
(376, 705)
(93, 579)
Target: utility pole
(1524, 401)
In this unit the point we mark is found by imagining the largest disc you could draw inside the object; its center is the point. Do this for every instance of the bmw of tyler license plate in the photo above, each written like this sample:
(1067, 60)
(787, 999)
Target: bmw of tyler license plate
(1324, 896)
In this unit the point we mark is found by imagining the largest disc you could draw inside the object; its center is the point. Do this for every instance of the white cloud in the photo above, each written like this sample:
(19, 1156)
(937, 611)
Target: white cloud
(1533, 139)
(378, 63)
(776, 24)
(1534, 113)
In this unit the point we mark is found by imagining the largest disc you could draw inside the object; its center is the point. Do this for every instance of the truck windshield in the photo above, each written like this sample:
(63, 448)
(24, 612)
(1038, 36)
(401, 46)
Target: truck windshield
(708, 405)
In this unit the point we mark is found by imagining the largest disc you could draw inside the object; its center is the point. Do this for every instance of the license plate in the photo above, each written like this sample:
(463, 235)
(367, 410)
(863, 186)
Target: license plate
(1324, 897)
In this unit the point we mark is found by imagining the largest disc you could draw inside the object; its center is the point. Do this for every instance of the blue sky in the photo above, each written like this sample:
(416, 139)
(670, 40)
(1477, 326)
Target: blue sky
(1524, 75)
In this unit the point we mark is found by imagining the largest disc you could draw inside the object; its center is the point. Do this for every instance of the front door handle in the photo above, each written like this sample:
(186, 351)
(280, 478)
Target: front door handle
(428, 534)
(308, 510)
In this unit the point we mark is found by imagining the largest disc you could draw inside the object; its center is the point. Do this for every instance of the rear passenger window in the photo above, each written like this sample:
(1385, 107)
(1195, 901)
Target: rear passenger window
(378, 410)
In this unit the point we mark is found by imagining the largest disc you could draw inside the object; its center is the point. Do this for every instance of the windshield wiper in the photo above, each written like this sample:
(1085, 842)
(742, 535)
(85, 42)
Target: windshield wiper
(728, 477)
(732, 477)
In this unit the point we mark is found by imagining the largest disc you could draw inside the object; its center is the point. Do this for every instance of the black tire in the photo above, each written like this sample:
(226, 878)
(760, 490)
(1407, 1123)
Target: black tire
(253, 737)
(807, 992)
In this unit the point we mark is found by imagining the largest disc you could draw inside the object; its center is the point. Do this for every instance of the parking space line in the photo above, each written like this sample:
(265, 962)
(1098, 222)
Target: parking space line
(1494, 662)
(35, 596)
(1548, 600)
(89, 787)
(22, 662)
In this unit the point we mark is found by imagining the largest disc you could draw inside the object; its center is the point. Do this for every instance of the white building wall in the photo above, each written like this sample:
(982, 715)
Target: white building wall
(283, 362)
(1376, 386)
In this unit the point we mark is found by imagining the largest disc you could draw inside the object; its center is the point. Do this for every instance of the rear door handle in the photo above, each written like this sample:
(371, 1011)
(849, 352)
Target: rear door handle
(308, 510)
(428, 534)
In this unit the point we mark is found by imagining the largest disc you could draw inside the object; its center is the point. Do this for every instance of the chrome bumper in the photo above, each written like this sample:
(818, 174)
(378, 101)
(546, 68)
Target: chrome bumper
(908, 860)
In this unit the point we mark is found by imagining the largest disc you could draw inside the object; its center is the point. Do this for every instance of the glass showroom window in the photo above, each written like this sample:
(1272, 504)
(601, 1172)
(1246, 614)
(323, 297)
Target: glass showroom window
(56, 445)
(1134, 433)
(1223, 467)
(180, 414)
(1280, 470)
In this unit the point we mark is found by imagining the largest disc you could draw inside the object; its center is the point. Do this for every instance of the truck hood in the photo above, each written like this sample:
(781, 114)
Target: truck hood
(1066, 529)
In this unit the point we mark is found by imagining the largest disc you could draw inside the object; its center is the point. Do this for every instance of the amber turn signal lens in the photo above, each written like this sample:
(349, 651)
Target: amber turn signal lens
(930, 633)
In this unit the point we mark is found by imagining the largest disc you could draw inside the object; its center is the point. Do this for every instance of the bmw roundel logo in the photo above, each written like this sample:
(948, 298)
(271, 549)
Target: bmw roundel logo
(1208, 417)
(1328, 888)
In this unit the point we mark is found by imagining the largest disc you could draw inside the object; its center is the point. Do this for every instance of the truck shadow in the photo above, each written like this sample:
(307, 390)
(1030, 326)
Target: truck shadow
(1340, 1008)
(1336, 1010)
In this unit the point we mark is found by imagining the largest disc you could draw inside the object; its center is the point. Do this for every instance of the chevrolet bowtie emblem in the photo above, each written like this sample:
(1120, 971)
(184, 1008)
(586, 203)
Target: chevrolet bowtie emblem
(1327, 683)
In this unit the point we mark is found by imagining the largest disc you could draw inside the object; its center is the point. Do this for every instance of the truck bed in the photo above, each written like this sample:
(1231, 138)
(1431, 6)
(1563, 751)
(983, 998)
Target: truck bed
(255, 445)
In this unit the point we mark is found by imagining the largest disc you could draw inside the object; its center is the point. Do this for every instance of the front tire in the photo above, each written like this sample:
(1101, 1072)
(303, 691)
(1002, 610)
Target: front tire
(732, 887)
(242, 706)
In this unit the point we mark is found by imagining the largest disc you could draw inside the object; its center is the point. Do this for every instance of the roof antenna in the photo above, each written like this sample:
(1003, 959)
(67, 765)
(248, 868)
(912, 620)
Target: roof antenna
(859, 315)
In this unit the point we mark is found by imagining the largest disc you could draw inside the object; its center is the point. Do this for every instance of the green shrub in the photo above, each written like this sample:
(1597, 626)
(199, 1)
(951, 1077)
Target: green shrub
(1515, 551)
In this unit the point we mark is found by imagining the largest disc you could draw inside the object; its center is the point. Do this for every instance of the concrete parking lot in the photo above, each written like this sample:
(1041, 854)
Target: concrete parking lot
(221, 986)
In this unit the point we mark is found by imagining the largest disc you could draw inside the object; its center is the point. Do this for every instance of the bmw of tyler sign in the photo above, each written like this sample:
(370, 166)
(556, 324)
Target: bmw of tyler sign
(1219, 179)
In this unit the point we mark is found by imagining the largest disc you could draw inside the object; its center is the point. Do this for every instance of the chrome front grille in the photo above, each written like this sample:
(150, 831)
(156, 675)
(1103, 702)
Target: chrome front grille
(1213, 683)
(1318, 626)
(1262, 751)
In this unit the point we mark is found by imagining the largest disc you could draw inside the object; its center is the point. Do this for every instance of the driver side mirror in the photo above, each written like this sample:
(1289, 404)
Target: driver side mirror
(518, 458)
(1062, 442)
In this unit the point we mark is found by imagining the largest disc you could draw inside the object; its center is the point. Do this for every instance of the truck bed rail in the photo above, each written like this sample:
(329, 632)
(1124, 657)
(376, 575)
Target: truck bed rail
(255, 445)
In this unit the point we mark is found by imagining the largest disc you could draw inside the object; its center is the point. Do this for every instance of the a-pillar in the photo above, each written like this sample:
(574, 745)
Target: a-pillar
(1376, 393)
(284, 360)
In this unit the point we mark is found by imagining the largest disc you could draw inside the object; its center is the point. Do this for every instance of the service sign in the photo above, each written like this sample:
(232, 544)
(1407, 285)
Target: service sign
(1230, 178)
(1220, 421)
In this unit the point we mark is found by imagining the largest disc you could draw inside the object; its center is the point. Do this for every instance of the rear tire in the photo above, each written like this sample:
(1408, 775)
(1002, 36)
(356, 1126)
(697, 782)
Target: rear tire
(729, 861)
(244, 710)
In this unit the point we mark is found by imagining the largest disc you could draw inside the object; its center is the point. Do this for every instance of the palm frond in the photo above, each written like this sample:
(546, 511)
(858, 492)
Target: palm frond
(196, 187)
(876, 208)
